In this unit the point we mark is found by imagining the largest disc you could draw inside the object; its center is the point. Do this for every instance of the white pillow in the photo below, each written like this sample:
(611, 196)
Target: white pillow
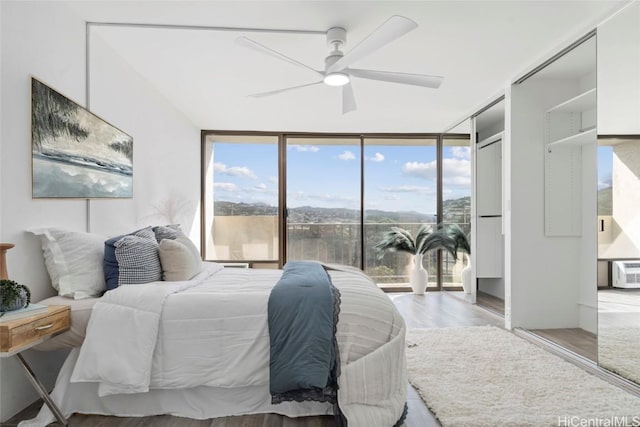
(180, 259)
(74, 261)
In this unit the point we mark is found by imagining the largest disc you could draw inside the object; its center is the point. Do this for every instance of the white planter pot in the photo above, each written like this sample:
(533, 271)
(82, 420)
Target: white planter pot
(418, 276)
(466, 276)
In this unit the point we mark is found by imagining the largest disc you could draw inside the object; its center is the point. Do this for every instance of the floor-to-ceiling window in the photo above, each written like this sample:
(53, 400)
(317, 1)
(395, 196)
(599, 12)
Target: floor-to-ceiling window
(240, 198)
(323, 195)
(272, 197)
(400, 189)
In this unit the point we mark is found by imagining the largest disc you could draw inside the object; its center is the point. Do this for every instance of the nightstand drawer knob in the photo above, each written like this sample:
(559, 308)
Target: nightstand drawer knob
(42, 328)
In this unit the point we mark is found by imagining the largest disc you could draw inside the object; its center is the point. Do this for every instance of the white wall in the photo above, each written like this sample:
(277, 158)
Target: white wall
(166, 150)
(626, 207)
(493, 286)
(619, 73)
(47, 40)
(490, 130)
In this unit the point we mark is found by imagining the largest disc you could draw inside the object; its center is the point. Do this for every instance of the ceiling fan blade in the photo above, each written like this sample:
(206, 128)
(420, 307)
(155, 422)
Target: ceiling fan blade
(391, 29)
(251, 44)
(286, 89)
(348, 99)
(402, 78)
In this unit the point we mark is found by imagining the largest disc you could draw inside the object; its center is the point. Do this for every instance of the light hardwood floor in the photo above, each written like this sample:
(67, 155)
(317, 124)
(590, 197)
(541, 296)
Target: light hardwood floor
(490, 302)
(576, 340)
(432, 310)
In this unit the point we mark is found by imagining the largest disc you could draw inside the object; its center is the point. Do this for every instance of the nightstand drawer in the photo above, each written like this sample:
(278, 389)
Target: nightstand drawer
(21, 332)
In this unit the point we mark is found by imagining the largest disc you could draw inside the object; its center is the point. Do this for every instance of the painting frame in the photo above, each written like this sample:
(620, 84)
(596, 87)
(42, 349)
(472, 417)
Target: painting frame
(76, 154)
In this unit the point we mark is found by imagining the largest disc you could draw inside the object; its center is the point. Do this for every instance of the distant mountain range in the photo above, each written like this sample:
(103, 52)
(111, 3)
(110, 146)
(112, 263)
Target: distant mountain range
(457, 210)
(605, 201)
(453, 210)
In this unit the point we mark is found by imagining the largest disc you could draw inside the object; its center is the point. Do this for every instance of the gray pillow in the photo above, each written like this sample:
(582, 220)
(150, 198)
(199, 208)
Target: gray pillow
(170, 231)
(180, 259)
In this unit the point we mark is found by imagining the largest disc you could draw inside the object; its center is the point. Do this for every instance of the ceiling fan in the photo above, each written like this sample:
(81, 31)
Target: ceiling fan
(337, 71)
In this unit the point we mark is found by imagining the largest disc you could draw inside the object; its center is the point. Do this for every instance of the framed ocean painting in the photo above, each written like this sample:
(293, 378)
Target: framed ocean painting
(76, 154)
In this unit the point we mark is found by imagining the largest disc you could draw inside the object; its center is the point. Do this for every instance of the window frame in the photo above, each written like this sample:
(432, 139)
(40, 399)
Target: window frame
(282, 184)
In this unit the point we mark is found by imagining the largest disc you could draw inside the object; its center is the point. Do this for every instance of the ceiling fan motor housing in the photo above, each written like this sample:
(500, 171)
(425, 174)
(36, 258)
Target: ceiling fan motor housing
(336, 35)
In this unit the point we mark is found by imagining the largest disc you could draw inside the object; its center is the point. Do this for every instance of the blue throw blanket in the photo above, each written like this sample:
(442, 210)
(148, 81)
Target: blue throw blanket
(303, 312)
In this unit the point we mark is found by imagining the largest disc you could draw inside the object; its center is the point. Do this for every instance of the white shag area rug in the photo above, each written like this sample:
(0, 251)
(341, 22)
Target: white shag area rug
(486, 376)
(619, 350)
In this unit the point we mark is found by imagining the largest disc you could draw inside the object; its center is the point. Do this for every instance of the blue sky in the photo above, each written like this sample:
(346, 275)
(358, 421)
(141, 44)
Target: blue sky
(397, 178)
(605, 164)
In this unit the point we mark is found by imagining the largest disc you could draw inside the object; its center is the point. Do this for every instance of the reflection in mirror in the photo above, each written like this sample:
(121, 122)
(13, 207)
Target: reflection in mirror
(456, 195)
(489, 245)
(619, 255)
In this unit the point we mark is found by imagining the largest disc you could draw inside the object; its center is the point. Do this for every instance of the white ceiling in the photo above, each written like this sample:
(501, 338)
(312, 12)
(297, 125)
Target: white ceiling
(478, 46)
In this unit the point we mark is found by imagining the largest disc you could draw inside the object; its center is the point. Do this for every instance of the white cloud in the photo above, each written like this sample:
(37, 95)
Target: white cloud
(261, 186)
(378, 157)
(605, 182)
(241, 171)
(455, 171)
(304, 148)
(420, 170)
(408, 189)
(461, 152)
(273, 179)
(347, 155)
(301, 195)
(225, 186)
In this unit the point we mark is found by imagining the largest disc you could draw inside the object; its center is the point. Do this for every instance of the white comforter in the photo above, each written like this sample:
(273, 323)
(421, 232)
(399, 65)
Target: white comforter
(124, 326)
(212, 331)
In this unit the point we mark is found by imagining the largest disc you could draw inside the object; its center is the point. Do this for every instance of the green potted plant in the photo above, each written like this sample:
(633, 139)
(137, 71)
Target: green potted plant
(400, 240)
(13, 296)
(462, 245)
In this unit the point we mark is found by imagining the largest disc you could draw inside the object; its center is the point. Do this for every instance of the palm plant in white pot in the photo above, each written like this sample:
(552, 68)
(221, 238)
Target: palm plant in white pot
(461, 244)
(400, 240)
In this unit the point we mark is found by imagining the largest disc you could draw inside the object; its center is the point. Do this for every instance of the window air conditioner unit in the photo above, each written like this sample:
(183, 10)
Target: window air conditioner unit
(626, 274)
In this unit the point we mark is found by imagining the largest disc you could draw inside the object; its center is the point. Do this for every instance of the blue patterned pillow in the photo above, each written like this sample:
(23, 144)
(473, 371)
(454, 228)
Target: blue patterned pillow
(132, 259)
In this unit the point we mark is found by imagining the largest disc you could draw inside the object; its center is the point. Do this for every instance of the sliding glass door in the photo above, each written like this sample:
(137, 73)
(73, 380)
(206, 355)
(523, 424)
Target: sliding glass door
(323, 197)
(400, 190)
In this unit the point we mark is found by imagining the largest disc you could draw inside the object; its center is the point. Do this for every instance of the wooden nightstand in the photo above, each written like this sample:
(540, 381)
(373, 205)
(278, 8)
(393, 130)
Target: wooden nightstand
(23, 333)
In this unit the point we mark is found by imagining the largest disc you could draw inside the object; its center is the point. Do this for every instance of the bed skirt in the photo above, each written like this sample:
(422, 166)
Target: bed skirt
(196, 403)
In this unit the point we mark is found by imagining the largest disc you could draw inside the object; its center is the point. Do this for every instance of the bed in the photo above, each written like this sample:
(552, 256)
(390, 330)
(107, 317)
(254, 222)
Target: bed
(208, 355)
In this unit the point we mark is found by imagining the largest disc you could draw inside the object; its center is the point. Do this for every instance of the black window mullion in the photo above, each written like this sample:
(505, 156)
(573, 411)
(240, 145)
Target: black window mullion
(362, 248)
(439, 217)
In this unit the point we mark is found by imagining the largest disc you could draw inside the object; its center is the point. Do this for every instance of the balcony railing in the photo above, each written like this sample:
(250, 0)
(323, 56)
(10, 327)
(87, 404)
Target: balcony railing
(340, 243)
(255, 238)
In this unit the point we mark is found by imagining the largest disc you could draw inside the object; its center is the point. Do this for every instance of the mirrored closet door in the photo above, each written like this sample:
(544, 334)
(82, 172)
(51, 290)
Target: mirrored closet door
(618, 191)
(551, 221)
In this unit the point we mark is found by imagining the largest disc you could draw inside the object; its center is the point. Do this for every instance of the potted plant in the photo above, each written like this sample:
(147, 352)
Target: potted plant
(13, 296)
(461, 244)
(400, 240)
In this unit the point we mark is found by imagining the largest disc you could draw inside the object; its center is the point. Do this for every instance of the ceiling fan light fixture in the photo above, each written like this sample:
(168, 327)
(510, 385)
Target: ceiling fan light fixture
(336, 79)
